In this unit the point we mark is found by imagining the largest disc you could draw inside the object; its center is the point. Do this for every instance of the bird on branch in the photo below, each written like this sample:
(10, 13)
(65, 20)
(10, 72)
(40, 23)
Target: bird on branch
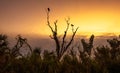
(48, 9)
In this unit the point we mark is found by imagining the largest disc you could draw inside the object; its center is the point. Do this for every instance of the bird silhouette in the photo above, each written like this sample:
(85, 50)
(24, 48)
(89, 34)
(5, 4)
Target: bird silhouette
(72, 25)
(48, 9)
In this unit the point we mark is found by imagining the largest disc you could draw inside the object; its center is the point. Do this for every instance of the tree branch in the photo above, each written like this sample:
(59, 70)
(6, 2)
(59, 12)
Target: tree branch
(67, 46)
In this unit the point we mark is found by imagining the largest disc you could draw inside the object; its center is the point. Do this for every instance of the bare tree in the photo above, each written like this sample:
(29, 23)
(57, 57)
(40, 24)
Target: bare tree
(61, 47)
(20, 42)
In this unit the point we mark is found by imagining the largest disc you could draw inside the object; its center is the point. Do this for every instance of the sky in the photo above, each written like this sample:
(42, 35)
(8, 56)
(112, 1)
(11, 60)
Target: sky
(98, 17)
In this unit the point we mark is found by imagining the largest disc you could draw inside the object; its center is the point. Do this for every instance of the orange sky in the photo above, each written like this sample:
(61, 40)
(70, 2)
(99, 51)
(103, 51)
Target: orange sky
(29, 16)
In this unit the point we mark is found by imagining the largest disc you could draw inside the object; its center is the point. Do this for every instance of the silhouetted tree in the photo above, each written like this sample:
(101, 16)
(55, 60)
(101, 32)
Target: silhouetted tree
(87, 47)
(61, 48)
(109, 57)
(20, 42)
(4, 52)
(3, 44)
(114, 43)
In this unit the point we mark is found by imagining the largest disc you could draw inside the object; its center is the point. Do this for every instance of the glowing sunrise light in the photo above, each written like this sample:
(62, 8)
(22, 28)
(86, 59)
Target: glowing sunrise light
(92, 16)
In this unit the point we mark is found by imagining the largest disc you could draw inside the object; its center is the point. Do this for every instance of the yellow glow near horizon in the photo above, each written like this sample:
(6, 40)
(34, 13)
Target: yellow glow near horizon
(92, 17)
(97, 22)
(94, 22)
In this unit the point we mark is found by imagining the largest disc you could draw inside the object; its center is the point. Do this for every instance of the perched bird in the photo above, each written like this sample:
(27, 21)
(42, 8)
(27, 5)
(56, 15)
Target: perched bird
(72, 25)
(48, 9)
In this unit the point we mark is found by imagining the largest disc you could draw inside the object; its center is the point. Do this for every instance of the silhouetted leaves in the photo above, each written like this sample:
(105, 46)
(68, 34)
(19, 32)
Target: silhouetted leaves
(106, 59)
(88, 46)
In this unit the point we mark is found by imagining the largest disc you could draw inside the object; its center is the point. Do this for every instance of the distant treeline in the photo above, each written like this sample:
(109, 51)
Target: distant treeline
(102, 59)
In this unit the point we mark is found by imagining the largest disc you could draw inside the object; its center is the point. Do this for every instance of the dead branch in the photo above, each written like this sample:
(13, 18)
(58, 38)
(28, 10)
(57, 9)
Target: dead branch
(20, 42)
(61, 48)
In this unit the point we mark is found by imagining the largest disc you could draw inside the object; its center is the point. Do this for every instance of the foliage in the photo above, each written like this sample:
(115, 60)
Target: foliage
(106, 59)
